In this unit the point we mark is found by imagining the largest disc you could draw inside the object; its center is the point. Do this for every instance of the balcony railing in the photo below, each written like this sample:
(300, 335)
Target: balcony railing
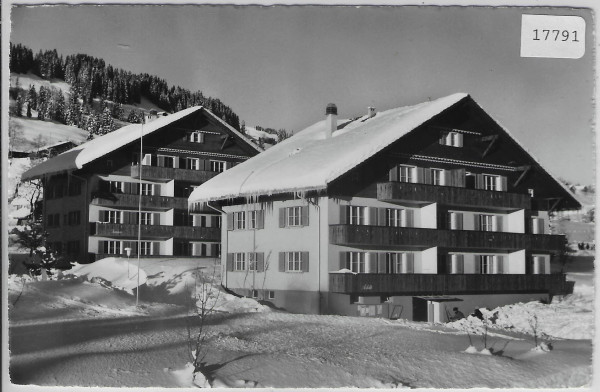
(383, 237)
(448, 195)
(156, 231)
(129, 200)
(170, 173)
(440, 284)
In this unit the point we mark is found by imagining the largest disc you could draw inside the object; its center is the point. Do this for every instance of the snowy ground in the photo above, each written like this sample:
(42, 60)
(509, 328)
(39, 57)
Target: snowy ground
(84, 329)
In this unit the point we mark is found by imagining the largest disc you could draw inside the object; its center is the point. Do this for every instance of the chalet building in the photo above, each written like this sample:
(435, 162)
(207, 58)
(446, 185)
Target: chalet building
(92, 192)
(404, 213)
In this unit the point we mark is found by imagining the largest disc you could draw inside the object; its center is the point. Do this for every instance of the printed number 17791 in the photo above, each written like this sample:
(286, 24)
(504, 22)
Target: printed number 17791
(547, 35)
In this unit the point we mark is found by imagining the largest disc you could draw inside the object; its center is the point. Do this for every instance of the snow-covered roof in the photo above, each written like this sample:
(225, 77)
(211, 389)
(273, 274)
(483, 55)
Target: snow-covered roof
(309, 161)
(87, 152)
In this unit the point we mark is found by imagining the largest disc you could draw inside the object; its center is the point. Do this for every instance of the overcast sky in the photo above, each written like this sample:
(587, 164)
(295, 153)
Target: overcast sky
(280, 66)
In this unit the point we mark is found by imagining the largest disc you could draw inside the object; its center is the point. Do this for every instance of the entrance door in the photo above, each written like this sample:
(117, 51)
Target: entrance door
(420, 311)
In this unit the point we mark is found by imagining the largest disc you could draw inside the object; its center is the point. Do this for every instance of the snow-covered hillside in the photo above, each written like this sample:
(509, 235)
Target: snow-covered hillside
(93, 335)
(29, 134)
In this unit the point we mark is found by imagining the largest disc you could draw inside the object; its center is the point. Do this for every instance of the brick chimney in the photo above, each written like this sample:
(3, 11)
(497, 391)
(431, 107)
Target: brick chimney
(331, 116)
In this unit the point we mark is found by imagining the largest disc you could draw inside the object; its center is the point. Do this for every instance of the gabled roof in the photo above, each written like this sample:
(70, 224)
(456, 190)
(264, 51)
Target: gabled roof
(85, 153)
(308, 161)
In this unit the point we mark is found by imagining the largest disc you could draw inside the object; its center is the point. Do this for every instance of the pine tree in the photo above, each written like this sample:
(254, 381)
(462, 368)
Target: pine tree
(59, 107)
(28, 110)
(32, 97)
(19, 105)
(106, 122)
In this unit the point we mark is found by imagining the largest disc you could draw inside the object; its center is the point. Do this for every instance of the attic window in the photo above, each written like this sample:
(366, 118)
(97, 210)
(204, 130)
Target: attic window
(196, 137)
(452, 139)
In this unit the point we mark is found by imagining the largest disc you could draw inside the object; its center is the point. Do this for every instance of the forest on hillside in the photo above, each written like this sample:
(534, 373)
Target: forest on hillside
(91, 78)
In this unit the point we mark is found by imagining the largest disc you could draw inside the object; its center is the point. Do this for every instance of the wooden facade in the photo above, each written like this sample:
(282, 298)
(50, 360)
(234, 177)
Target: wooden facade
(447, 284)
(176, 157)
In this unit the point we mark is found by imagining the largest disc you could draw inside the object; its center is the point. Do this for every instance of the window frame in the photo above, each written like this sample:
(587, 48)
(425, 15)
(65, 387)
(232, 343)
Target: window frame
(490, 182)
(408, 176)
(293, 216)
(115, 216)
(116, 186)
(239, 220)
(486, 222)
(271, 294)
(437, 176)
(252, 219)
(293, 261)
(196, 137)
(395, 217)
(486, 264)
(357, 215)
(192, 163)
(217, 166)
(112, 246)
(252, 261)
(239, 261)
(146, 189)
(357, 262)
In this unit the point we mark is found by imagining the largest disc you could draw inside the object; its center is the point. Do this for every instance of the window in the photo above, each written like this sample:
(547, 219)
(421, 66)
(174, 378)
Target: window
(192, 163)
(147, 189)
(399, 263)
(145, 248)
(196, 137)
(452, 139)
(254, 293)
(356, 262)
(239, 219)
(486, 222)
(357, 215)
(271, 294)
(253, 219)
(531, 192)
(293, 261)
(146, 218)
(394, 217)
(112, 247)
(437, 177)
(406, 173)
(294, 216)
(486, 264)
(490, 182)
(74, 218)
(239, 261)
(115, 186)
(114, 216)
(217, 166)
(252, 261)
(53, 220)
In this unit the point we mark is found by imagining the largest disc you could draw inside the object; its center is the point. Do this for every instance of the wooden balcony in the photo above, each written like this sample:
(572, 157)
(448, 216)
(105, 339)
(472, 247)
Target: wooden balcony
(434, 284)
(452, 196)
(170, 173)
(148, 202)
(116, 230)
(383, 237)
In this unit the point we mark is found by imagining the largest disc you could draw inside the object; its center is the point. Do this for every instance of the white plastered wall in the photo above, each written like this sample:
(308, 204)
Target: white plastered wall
(516, 222)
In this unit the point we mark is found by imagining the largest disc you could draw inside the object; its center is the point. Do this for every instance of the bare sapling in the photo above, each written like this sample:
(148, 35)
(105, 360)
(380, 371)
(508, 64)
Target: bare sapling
(202, 301)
